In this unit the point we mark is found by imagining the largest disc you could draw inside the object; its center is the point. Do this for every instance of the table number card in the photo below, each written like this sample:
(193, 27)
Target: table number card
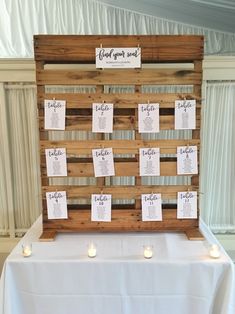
(103, 162)
(149, 161)
(151, 207)
(185, 114)
(118, 57)
(54, 114)
(102, 118)
(57, 205)
(56, 162)
(101, 207)
(187, 205)
(187, 160)
(148, 118)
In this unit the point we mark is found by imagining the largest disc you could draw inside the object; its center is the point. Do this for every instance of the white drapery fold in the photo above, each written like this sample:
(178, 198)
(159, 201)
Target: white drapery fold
(218, 157)
(86, 17)
(21, 160)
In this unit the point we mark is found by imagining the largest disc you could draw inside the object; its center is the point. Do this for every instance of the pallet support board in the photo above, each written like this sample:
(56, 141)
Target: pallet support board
(52, 51)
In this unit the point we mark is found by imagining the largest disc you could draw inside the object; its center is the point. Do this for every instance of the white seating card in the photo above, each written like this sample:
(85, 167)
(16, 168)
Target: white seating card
(57, 205)
(151, 207)
(185, 114)
(54, 114)
(102, 118)
(118, 57)
(149, 161)
(56, 162)
(103, 162)
(187, 205)
(101, 207)
(187, 160)
(148, 118)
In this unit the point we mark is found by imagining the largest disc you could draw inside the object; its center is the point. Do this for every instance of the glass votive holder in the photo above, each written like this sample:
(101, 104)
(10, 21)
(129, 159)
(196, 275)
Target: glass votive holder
(27, 249)
(91, 252)
(148, 251)
(214, 251)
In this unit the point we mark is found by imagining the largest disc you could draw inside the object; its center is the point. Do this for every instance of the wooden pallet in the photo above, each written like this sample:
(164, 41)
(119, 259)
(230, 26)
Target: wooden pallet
(70, 60)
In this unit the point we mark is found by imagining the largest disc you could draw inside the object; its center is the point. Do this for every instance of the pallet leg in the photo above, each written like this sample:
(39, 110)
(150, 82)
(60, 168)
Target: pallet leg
(47, 236)
(194, 234)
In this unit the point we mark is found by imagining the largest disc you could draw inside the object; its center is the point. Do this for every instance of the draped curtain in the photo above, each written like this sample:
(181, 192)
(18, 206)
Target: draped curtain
(86, 17)
(218, 157)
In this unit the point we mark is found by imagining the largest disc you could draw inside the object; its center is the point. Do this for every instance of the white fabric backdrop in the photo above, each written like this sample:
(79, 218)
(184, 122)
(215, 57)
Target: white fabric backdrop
(20, 20)
(218, 157)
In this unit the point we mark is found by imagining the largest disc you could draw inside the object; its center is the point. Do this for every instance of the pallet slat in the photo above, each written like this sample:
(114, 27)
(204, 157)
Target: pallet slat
(119, 192)
(130, 101)
(119, 77)
(155, 48)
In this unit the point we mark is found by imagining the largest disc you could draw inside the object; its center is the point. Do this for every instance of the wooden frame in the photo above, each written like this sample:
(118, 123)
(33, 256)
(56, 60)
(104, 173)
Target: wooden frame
(166, 60)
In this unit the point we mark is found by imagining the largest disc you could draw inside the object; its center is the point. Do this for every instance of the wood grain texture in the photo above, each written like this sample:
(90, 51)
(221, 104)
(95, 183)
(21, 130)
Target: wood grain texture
(84, 123)
(154, 48)
(131, 101)
(119, 146)
(119, 77)
(120, 192)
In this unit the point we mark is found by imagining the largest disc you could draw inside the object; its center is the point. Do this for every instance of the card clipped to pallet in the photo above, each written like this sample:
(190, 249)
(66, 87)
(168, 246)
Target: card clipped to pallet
(187, 160)
(187, 205)
(148, 118)
(54, 114)
(118, 57)
(103, 162)
(185, 114)
(149, 161)
(102, 118)
(101, 207)
(57, 205)
(56, 162)
(151, 207)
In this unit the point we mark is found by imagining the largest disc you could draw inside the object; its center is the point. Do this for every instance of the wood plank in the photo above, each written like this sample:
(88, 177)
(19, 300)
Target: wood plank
(48, 235)
(154, 47)
(119, 192)
(122, 220)
(119, 77)
(119, 146)
(121, 169)
(78, 100)
(84, 123)
(194, 234)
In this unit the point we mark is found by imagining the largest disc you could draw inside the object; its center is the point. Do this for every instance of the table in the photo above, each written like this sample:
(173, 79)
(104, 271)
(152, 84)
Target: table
(59, 278)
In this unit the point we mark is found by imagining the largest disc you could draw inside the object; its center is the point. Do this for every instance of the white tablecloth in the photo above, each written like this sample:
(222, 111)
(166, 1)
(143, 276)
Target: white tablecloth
(59, 278)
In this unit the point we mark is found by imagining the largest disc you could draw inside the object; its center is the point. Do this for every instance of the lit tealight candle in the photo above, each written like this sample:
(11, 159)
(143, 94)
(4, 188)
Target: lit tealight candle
(214, 251)
(148, 252)
(26, 250)
(92, 250)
